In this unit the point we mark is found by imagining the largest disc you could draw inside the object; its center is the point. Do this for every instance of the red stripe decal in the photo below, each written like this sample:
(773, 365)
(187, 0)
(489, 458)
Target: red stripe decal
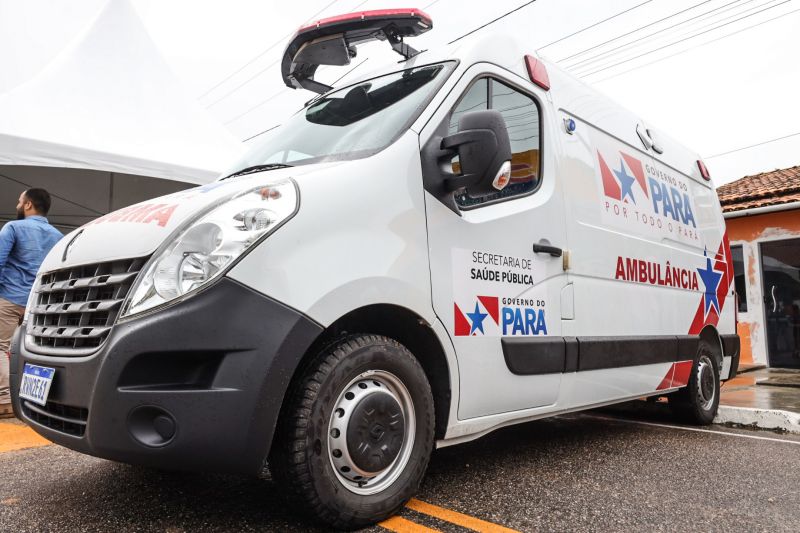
(461, 322)
(638, 173)
(666, 383)
(610, 185)
(492, 305)
(683, 370)
(723, 263)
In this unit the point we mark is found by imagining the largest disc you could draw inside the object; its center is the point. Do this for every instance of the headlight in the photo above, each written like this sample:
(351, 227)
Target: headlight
(207, 247)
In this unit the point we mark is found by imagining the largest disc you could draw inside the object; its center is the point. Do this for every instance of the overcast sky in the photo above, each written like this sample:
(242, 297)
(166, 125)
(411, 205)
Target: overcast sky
(699, 74)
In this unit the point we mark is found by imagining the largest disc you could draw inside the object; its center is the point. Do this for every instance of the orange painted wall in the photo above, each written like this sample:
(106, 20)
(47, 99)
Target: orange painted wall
(746, 350)
(750, 228)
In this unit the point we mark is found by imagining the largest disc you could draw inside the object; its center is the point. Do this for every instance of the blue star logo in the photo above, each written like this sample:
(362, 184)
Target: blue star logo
(625, 181)
(711, 279)
(477, 319)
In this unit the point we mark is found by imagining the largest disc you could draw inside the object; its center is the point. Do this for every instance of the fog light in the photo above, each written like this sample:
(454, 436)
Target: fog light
(152, 426)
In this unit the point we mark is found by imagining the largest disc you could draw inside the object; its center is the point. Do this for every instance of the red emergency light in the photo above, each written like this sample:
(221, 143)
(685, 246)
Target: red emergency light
(333, 40)
(703, 170)
(422, 17)
(537, 72)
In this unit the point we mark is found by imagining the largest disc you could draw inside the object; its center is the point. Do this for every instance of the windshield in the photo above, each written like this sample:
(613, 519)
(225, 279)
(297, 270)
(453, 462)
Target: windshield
(349, 123)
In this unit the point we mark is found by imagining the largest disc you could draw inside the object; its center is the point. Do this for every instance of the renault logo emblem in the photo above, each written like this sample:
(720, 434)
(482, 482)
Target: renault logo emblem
(69, 246)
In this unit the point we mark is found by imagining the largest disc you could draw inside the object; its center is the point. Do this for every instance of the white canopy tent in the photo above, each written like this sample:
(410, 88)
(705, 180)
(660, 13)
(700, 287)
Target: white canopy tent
(105, 125)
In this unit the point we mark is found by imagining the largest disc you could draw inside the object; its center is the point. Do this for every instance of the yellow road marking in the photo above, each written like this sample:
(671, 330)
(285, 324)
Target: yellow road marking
(17, 436)
(402, 525)
(460, 519)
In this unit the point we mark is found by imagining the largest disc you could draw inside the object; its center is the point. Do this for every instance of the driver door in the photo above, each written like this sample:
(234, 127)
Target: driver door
(499, 300)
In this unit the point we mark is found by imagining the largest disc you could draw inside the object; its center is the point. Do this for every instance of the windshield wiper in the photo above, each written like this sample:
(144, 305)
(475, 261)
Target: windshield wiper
(257, 168)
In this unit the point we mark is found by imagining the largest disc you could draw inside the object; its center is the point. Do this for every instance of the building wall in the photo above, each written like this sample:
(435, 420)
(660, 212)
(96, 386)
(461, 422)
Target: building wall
(749, 231)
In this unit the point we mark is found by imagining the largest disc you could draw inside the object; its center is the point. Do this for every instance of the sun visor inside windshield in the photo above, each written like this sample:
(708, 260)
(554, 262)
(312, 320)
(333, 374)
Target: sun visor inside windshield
(333, 41)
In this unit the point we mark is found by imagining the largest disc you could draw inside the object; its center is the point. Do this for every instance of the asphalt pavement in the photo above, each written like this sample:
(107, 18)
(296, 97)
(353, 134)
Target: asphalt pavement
(601, 471)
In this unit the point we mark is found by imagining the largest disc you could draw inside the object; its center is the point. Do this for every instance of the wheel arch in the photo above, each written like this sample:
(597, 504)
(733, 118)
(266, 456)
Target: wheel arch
(710, 334)
(404, 326)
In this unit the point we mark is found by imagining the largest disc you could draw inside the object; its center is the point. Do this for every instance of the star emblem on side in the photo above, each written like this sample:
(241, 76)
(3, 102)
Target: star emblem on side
(625, 182)
(711, 279)
(476, 318)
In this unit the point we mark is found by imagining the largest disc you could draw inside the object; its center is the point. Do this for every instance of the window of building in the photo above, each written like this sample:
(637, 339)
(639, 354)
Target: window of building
(737, 254)
(521, 114)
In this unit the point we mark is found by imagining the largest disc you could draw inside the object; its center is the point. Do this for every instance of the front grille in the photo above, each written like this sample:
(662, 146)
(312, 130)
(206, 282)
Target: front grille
(64, 418)
(75, 308)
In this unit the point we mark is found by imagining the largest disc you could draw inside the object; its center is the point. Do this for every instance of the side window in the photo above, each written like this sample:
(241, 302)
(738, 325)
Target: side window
(737, 255)
(475, 99)
(521, 114)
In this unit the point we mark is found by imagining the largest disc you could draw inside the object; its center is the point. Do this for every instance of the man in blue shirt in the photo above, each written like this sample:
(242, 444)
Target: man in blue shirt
(24, 243)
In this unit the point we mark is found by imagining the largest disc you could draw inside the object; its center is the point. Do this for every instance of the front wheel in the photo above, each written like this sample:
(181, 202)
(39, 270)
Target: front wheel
(698, 402)
(356, 437)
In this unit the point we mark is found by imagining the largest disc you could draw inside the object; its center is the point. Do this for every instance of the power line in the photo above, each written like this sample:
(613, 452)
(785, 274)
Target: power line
(260, 72)
(248, 80)
(634, 31)
(752, 146)
(251, 109)
(498, 18)
(278, 94)
(631, 45)
(593, 25)
(337, 80)
(429, 5)
(697, 46)
(334, 83)
(681, 40)
(261, 133)
(690, 21)
(270, 47)
(260, 54)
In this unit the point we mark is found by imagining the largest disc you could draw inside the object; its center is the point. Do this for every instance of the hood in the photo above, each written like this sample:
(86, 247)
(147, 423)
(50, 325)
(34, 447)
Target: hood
(138, 230)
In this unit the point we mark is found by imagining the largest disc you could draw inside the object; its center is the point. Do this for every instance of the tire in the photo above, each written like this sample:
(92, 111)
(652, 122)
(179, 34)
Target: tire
(697, 403)
(356, 435)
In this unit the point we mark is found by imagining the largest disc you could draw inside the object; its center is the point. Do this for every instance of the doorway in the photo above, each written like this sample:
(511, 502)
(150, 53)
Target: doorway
(780, 268)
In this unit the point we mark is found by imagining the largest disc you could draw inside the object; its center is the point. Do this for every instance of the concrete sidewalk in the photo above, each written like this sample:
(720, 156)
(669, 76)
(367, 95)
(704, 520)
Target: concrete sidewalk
(766, 398)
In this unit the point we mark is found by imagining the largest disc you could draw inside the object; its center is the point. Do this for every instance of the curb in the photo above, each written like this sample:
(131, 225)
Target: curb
(750, 368)
(774, 419)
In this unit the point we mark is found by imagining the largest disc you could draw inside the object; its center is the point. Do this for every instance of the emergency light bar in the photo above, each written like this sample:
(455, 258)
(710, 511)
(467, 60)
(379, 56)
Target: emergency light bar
(333, 40)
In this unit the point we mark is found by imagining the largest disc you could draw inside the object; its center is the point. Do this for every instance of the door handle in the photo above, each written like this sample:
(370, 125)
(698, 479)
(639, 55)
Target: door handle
(555, 251)
(774, 301)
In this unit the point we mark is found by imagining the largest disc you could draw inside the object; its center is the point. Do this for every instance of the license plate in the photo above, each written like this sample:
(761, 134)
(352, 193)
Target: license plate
(36, 381)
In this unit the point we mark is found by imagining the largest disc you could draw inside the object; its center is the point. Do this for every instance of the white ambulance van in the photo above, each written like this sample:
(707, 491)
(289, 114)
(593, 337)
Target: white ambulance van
(465, 240)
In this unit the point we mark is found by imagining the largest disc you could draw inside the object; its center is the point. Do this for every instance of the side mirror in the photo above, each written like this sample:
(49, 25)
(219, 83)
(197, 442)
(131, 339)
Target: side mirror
(484, 153)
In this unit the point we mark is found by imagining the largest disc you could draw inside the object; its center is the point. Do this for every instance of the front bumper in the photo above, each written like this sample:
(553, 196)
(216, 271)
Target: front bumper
(196, 386)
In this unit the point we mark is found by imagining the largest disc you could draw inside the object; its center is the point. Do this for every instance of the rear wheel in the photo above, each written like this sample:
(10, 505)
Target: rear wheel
(698, 402)
(356, 437)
